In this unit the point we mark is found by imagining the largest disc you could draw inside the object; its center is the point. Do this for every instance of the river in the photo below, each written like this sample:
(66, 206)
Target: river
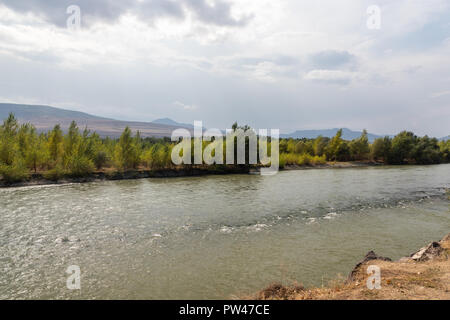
(213, 237)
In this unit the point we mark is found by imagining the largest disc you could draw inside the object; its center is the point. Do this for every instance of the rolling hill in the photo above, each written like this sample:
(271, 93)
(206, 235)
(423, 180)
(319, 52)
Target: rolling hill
(44, 119)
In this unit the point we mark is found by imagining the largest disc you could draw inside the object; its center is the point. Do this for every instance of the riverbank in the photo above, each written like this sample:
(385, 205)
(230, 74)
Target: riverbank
(41, 178)
(335, 165)
(425, 274)
(36, 179)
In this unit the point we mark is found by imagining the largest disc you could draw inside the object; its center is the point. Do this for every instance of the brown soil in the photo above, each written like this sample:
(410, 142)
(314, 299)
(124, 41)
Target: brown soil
(412, 278)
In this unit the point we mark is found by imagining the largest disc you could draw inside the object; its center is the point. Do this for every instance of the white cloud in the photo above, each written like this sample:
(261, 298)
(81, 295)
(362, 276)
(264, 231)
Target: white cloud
(185, 107)
(284, 56)
(440, 94)
(332, 76)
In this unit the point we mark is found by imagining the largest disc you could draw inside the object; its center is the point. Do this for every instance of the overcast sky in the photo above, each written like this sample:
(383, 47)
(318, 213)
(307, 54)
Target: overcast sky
(284, 64)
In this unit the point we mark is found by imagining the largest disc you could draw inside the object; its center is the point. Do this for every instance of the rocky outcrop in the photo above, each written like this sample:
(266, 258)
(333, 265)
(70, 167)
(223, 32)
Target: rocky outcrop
(429, 252)
(369, 256)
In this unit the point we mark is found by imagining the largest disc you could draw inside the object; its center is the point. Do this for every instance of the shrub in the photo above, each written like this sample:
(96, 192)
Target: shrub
(101, 159)
(282, 162)
(80, 166)
(319, 160)
(14, 173)
(55, 174)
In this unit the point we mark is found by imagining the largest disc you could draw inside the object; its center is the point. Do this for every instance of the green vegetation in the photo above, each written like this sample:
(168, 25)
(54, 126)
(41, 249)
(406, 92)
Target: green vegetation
(405, 148)
(56, 154)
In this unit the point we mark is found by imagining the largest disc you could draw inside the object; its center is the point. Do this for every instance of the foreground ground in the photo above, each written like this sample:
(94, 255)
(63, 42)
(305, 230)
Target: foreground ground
(425, 274)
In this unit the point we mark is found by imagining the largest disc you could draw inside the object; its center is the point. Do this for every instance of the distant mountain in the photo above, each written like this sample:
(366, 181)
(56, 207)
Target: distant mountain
(445, 138)
(347, 134)
(37, 112)
(44, 118)
(170, 122)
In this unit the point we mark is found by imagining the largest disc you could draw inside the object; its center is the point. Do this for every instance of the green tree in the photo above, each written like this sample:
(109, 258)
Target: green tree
(402, 147)
(444, 147)
(426, 151)
(304, 147)
(319, 145)
(331, 150)
(126, 155)
(55, 145)
(72, 139)
(343, 152)
(359, 148)
(381, 148)
(12, 164)
(8, 146)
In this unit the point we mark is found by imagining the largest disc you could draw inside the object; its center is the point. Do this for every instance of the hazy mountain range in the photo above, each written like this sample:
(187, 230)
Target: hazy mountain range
(44, 119)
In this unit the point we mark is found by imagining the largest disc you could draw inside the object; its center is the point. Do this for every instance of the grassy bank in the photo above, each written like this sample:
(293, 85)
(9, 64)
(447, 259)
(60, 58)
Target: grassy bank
(424, 274)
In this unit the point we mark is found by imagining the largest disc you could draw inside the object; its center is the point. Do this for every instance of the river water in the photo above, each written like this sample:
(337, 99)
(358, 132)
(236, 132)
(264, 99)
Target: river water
(215, 236)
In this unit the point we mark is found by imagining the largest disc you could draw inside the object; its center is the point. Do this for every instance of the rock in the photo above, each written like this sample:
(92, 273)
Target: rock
(430, 252)
(369, 256)
(73, 239)
(278, 291)
(67, 239)
(61, 239)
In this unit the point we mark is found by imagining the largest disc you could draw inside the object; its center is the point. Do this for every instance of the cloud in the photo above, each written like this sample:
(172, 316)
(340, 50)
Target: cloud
(440, 94)
(332, 59)
(217, 12)
(254, 60)
(270, 68)
(331, 76)
(185, 106)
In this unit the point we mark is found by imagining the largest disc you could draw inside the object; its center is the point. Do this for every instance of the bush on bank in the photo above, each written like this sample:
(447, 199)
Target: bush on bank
(78, 153)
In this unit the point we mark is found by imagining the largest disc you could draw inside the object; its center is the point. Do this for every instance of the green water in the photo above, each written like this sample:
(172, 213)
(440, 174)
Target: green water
(213, 237)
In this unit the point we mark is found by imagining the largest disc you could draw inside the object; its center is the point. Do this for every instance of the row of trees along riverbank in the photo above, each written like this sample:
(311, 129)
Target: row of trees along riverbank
(78, 153)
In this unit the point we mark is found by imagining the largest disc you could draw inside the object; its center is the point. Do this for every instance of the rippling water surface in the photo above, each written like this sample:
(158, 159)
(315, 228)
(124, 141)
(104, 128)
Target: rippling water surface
(213, 237)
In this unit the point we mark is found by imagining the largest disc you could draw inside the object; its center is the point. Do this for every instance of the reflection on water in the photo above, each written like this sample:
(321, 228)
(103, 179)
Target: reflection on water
(213, 237)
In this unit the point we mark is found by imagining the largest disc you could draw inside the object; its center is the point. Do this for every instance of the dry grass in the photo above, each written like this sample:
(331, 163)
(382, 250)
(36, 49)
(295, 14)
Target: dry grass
(404, 279)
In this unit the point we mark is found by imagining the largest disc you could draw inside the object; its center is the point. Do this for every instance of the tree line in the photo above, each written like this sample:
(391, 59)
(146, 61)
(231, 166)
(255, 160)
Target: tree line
(404, 148)
(77, 153)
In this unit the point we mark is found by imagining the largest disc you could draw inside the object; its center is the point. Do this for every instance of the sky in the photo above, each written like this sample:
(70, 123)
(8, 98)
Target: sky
(284, 64)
